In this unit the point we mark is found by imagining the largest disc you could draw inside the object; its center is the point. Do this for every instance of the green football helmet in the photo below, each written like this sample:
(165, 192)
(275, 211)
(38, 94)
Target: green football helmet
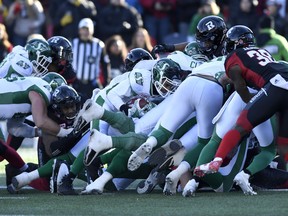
(166, 76)
(193, 50)
(54, 80)
(40, 54)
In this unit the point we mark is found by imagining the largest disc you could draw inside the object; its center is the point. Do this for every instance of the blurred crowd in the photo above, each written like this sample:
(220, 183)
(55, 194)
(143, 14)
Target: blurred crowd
(126, 24)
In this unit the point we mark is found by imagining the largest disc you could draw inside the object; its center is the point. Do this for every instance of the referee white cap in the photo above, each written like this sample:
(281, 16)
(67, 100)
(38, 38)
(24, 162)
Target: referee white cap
(88, 23)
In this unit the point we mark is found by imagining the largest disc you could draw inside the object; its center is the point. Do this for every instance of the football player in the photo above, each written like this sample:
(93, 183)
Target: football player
(35, 95)
(62, 57)
(64, 107)
(210, 35)
(271, 85)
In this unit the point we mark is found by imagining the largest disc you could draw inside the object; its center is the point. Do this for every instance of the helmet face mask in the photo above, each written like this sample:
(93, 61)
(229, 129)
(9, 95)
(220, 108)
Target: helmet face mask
(134, 56)
(210, 33)
(238, 36)
(40, 55)
(66, 102)
(166, 76)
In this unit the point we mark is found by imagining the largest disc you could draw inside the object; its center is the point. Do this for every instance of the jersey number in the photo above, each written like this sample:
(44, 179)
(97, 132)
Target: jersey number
(262, 56)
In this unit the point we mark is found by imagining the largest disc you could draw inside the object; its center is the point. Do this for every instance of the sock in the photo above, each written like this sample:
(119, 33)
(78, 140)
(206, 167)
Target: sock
(24, 167)
(229, 141)
(180, 170)
(102, 180)
(129, 141)
(13, 157)
(33, 175)
(78, 164)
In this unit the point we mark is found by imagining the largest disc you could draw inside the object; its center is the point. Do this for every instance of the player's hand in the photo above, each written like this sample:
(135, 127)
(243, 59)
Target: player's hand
(162, 48)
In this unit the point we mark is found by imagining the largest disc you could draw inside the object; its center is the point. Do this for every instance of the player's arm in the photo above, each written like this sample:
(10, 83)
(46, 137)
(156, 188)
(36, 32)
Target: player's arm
(117, 94)
(239, 83)
(40, 117)
(162, 48)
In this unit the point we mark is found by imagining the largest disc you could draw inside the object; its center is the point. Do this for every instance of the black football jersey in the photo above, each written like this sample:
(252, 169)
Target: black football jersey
(258, 66)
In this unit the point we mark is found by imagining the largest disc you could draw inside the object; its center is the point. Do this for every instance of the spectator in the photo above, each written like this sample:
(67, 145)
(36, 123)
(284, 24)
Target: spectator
(273, 9)
(246, 15)
(117, 52)
(3, 11)
(136, 4)
(208, 7)
(185, 10)
(5, 45)
(89, 57)
(118, 18)
(157, 17)
(268, 39)
(28, 17)
(141, 39)
(68, 16)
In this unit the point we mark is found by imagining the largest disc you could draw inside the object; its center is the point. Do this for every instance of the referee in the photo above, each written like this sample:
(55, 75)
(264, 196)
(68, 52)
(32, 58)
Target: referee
(89, 60)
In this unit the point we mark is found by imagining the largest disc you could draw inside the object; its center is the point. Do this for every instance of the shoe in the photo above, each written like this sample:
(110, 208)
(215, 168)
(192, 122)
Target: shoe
(171, 183)
(53, 178)
(92, 188)
(160, 154)
(90, 110)
(94, 170)
(98, 142)
(64, 181)
(156, 177)
(190, 188)
(20, 181)
(137, 157)
(208, 168)
(242, 180)
(10, 172)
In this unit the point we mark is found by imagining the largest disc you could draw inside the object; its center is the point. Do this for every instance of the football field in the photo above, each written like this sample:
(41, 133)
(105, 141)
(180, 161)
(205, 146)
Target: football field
(206, 203)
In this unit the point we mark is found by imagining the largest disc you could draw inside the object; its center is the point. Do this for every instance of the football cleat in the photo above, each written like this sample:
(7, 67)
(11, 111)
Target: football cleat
(92, 188)
(20, 181)
(242, 180)
(137, 157)
(156, 177)
(10, 172)
(190, 188)
(64, 181)
(65, 187)
(90, 110)
(208, 168)
(160, 154)
(53, 178)
(171, 183)
(98, 142)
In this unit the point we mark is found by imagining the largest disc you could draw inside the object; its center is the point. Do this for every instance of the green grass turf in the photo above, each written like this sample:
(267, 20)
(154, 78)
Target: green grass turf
(32, 202)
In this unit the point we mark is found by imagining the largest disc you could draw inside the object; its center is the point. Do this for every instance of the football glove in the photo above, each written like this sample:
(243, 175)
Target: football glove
(162, 48)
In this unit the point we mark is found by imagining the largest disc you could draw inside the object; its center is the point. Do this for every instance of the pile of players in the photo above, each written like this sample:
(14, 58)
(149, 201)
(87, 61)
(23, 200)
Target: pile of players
(220, 97)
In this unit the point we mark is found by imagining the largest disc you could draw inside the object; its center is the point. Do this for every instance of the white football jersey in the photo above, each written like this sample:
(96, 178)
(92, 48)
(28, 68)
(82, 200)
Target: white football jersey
(145, 64)
(16, 64)
(186, 62)
(211, 68)
(14, 95)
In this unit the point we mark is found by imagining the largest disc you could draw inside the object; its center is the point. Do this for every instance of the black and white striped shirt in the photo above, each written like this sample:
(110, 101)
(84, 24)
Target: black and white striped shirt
(88, 58)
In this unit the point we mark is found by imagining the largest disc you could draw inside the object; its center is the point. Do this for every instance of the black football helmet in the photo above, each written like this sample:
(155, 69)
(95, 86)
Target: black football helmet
(166, 76)
(134, 56)
(61, 49)
(210, 34)
(238, 36)
(66, 102)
